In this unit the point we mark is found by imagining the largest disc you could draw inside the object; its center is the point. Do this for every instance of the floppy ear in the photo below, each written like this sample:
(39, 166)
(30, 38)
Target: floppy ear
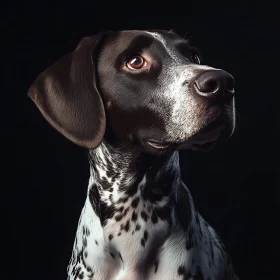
(67, 95)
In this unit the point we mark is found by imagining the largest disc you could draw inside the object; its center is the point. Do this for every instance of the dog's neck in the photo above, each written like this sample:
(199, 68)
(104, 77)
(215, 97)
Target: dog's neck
(119, 176)
(133, 196)
(130, 210)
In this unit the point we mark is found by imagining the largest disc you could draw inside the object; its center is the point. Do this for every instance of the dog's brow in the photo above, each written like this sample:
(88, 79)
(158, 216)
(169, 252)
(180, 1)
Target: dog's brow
(158, 37)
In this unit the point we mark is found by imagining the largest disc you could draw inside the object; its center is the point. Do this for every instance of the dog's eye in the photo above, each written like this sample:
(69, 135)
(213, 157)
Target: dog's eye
(136, 62)
(195, 58)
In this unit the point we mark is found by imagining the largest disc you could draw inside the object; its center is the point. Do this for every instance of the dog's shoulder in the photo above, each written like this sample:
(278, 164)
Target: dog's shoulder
(203, 243)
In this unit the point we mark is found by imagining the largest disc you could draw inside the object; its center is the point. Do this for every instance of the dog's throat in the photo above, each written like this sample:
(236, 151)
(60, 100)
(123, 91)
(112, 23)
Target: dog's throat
(123, 188)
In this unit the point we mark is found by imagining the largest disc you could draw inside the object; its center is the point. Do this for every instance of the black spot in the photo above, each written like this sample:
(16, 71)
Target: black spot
(81, 275)
(138, 227)
(120, 209)
(125, 211)
(134, 216)
(119, 234)
(106, 185)
(143, 242)
(111, 189)
(127, 226)
(123, 199)
(135, 202)
(154, 217)
(118, 217)
(112, 255)
(85, 254)
(156, 189)
(156, 266)
(198, 274)
(77, 274)
(107, 212)
(120, 256)
(110, 236)
(144, 216)
(87, 232)
(89, 269)
(186, 273)
(145, 235)
(84, 242)
(181, 270)
(96, 242)
(94, 198)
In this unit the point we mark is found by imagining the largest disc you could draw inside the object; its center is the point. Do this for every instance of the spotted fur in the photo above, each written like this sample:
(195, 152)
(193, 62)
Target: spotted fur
(126, 233)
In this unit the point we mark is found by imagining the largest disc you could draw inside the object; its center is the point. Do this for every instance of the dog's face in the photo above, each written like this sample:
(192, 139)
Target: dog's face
(145, 88)
(157, 94)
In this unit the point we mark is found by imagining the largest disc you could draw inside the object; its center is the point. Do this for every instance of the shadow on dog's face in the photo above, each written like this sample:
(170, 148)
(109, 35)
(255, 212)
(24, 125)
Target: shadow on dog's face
(157, 95)
(141, 89)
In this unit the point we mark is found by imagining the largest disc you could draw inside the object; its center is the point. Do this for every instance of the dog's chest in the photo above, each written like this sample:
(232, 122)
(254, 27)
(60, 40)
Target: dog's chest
(139, 251)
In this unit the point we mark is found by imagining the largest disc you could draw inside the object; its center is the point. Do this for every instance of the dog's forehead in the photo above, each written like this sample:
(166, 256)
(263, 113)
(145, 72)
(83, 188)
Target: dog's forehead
(121, 40)
(155, 34)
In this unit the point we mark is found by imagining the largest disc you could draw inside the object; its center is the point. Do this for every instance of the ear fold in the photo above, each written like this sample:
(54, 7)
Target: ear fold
(67, 96)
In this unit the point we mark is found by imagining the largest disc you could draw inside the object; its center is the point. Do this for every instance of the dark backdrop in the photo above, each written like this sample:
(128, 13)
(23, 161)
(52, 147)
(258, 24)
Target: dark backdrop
(235, 186)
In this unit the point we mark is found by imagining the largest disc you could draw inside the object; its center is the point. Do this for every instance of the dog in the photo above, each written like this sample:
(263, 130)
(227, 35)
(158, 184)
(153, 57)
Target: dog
(134, 99)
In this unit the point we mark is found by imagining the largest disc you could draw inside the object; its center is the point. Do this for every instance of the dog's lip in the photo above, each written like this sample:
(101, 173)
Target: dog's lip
(158, 144)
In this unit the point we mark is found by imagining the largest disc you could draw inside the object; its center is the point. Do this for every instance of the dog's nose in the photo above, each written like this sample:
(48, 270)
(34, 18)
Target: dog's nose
(214, 83)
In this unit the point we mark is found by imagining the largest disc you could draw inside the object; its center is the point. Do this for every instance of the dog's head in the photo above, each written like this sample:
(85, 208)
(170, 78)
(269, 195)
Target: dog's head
(146, 89)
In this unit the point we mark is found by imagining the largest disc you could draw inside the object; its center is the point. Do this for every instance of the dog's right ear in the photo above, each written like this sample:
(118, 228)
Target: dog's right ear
(67, 95)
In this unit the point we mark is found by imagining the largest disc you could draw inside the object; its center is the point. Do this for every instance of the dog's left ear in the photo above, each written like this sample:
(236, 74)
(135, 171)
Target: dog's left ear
(67, 95)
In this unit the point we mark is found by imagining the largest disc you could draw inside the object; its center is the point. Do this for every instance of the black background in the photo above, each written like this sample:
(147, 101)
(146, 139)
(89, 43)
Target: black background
(235, 186)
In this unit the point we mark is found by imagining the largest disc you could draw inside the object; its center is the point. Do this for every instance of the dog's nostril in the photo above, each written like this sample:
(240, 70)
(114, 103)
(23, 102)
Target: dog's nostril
(207, 85)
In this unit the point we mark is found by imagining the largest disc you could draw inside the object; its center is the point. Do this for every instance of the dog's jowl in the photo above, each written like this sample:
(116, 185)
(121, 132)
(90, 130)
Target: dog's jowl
(134, 99)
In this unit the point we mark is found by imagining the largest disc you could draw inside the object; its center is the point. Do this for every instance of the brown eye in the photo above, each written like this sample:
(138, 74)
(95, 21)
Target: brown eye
(136, 62)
